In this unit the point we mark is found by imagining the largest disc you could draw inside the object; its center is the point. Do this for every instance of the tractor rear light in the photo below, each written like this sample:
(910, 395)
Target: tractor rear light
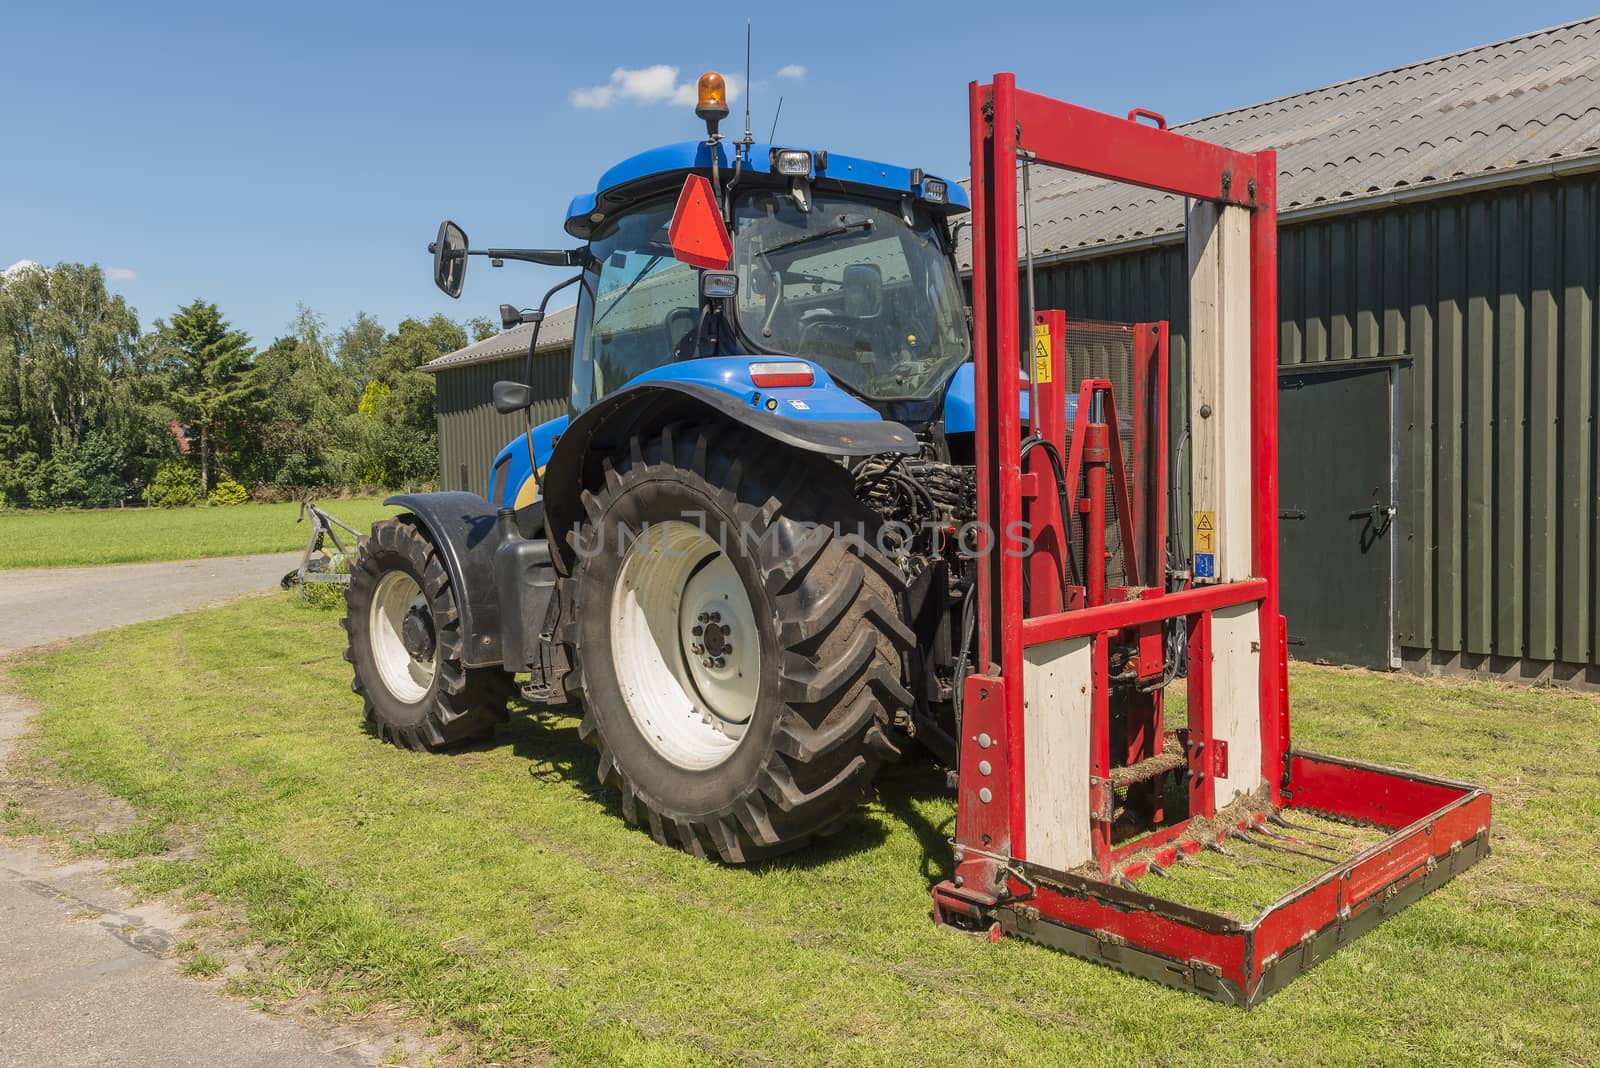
(779, 374)
(794, 162)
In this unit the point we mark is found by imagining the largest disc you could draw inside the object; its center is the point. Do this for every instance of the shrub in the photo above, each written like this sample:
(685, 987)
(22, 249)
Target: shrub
(98, 469)
(228, 493)
(174, 486)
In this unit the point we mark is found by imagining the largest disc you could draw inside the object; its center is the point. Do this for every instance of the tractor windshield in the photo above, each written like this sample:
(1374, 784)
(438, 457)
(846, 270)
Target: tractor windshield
(853, 286)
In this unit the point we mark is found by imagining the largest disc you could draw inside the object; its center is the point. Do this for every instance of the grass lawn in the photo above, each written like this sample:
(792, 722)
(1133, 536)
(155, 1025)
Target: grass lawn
(498, 891)
(138, 535)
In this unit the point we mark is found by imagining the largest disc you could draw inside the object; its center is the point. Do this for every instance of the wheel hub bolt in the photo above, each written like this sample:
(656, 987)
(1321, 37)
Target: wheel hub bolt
(697, 630)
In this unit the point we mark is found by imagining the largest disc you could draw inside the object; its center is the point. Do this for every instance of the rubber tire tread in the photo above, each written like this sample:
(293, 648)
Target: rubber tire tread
(463, 704)
(843, 642)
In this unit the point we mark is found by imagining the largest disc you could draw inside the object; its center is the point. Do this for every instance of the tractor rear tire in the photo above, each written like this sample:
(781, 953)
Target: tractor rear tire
(740, 654)
(404, 645)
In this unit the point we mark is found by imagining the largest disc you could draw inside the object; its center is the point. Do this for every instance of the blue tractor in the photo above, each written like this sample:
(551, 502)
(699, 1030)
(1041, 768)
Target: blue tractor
(740, 551)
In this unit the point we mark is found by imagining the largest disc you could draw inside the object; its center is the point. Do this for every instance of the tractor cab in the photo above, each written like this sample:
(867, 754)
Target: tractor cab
(801, 288)
(841, 262)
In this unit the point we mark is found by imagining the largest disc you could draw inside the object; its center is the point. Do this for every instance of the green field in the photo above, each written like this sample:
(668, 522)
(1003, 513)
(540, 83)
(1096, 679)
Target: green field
(497, 894)
(138, 535)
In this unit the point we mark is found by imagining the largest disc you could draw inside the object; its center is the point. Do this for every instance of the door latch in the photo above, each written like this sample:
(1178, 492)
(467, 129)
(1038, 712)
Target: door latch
(1377, 517)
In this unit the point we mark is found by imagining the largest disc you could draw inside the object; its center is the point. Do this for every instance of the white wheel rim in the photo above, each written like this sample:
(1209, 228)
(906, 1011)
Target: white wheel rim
(405, 676)
(691, 690)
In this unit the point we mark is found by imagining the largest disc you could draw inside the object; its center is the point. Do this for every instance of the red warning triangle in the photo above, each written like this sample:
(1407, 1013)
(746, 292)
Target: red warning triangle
(697, 233)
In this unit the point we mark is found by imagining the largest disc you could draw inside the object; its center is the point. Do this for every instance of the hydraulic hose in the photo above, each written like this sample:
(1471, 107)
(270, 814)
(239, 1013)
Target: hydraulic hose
(1074, 573)
(527, 371)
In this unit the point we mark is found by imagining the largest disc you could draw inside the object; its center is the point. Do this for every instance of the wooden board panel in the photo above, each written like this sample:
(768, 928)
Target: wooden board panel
(1418, 431)
(1543, 425)
(1509, 356)
(1449, 446)
(1577, 358)
(1056, 709)
(1219, 383)
(1236, 697)
(1477, 535)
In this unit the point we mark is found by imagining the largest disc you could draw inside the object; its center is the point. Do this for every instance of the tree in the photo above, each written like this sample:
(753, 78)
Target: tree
(306, 402)
(69, 359)
(67, 340)
(206, 363)
(413, 344)
(358, 347)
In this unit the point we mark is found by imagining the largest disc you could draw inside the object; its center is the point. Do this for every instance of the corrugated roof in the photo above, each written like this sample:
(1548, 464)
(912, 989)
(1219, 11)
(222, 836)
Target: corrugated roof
(1492, 111)
(1515, 104)
(554, 333)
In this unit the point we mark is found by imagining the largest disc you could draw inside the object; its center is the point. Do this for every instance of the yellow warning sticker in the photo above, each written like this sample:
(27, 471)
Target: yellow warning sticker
(1205, 532)
(1041, 353)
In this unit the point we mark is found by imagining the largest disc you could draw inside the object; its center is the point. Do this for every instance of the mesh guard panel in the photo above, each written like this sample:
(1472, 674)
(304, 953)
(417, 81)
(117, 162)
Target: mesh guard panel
(1097, 349)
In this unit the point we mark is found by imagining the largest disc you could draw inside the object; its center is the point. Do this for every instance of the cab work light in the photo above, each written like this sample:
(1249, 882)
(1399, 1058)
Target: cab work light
(794, 162)
(781, 373)
(718, 285)
(934, 191)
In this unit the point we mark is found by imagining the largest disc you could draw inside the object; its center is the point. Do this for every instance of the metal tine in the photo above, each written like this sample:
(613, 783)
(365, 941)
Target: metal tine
(1277, 819)
(1281, 849)
(1189, 858)
(1156, 869)
(1230, 854)
(1334, 854)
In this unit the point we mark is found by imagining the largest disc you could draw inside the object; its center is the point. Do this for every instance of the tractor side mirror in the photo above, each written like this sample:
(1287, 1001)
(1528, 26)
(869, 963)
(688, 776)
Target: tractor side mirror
(512, 397)
(449, 258)
(863, 290)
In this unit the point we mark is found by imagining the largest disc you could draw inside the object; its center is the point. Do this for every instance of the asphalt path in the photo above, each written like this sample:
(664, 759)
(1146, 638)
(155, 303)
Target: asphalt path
(43, 605)
(86, 976)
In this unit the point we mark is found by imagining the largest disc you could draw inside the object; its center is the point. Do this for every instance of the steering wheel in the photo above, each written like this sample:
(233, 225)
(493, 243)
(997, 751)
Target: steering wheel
(854, 335)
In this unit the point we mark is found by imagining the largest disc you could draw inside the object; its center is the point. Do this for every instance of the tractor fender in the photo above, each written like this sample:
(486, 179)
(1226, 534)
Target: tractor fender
(462, 529)
(646, 407)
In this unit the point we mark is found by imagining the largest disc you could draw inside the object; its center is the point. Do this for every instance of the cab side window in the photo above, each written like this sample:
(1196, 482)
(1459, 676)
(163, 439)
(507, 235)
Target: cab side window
(641, 299)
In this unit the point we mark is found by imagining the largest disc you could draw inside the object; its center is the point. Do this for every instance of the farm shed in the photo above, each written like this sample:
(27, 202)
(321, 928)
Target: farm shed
(1440, 262)
(471, 432)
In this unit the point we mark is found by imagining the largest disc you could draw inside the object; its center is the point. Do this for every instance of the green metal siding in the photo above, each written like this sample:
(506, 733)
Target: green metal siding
(471, 432)
(1492, 296)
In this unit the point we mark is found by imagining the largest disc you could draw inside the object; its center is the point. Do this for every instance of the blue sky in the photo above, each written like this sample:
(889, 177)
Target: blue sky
(270, 154)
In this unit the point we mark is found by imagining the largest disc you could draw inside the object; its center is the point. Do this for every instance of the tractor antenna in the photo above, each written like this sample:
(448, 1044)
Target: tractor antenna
(747, 138)
(775, 115)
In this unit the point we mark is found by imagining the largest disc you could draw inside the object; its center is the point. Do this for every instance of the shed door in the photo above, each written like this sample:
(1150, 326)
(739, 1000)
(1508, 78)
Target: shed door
(1338, 474)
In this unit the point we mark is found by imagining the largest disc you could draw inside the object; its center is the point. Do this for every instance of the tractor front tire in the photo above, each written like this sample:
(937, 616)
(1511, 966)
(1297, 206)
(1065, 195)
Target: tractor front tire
(404, 630)
(739, 653)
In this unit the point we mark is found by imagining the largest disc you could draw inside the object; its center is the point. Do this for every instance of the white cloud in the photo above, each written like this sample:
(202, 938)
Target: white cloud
(597, 97)
(120, 274)
(648, 85)
(793, 70)
(19, 267)
(656, 84)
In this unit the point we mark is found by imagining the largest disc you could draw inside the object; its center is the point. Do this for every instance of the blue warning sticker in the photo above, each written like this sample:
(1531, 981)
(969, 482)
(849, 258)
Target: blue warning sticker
(1205, 565)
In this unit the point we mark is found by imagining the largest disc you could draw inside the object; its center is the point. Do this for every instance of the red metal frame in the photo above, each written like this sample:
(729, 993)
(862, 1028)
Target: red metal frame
(1438, 827)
